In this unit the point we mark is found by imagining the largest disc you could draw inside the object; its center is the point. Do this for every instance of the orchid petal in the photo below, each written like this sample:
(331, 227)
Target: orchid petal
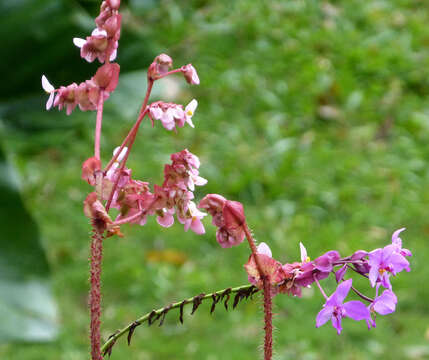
(356, 310)
(324, 315)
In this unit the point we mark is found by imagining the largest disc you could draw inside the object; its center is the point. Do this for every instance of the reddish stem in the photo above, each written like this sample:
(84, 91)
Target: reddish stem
(268, 319)
(169, 73)
(98, 123)
(95, 293)
(268, 314)
(132, 136)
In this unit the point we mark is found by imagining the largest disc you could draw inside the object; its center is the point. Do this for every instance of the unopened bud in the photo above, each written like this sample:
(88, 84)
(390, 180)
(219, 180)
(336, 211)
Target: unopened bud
(107, 76)
(89, 169)
(114, 4)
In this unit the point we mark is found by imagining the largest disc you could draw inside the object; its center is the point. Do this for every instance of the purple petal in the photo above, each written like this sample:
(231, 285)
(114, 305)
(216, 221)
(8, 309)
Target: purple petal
(398, 262)
(356, 310)
(324, 262)
(359, 255)
(373, 274)
(385, 303)
(340, 294)
(336, 323)
(395, 237)
(324, 315)
(339, 275)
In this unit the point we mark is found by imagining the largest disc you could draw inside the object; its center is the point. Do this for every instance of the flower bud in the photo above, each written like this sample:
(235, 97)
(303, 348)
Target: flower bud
(89, 168)
(114, 4)
(233, 214)
(107, 76)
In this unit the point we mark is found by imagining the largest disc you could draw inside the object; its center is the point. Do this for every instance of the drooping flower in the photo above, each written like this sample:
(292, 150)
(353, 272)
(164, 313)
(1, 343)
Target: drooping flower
(383, 305)
(190, 74)
(228, 216)
(334, 308)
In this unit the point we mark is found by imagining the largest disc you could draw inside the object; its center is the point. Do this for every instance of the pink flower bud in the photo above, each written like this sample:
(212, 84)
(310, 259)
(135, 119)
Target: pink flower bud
(233, 215)
(107, 76)
(190, 74)
(113, 26)
(89, 168)
(159, 66)
(113, 4)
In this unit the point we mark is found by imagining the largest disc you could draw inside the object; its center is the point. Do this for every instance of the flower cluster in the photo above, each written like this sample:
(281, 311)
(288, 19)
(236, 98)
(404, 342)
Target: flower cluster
(103, 42)
(135, 201)
(86, 94)
(172, 115)
(378, 266)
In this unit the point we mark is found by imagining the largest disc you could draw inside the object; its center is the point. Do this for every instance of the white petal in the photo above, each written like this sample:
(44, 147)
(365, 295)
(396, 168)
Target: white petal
(113, 55)
(122, 154)
(79, 42)
(50, 101)
(97, 32)
(264, 249)
(46, 85)
(191, 106)
(303, 252)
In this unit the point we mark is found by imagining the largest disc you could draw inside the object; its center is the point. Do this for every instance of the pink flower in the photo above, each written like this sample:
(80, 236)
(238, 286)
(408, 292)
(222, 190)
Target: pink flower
(66, 98)
(190, 74)
(193, 218)
(169, 114)
(46, 85)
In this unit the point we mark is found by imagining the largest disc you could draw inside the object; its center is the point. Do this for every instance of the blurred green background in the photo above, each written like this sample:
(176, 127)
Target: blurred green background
(313, 114)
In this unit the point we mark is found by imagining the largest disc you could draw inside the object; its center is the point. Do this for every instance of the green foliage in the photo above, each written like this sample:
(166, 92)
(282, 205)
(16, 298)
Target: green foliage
(313, 114)
(27, 309)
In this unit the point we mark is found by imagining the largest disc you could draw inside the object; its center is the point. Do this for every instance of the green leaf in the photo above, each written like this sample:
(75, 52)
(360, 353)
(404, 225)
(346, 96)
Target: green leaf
(27, 308)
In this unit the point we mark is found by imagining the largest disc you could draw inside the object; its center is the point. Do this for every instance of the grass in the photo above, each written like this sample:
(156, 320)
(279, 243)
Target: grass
(314, 115)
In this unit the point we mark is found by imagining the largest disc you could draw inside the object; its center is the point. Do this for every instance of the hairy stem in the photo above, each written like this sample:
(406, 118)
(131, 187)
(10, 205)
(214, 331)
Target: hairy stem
(246, 290)
(98, 125)
(95, 293)
(268, 314)
(268, 320)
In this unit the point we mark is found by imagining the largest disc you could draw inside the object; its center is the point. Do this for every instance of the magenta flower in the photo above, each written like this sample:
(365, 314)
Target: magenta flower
(335, 309)
(384, 262)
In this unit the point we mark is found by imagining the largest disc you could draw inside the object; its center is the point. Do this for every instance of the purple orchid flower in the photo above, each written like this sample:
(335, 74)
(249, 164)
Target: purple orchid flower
(384, 262)
(335, 310)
